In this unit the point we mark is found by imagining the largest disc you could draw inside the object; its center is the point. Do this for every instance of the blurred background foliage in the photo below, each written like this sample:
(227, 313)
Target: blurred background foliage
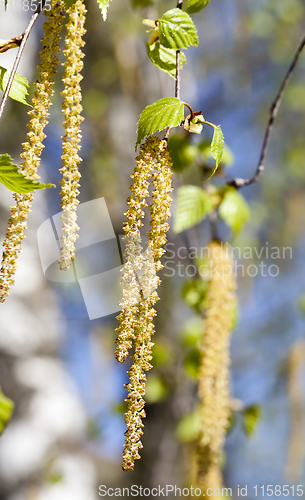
(233, 77)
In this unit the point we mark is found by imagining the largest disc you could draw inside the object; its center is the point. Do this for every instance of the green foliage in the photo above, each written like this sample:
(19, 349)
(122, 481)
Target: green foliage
(167, 112)
(234, 210)
(6, 410)
(156, 389)
(194, 293)
(192, 363)
(14, 180)
(192, 206)
(192, 331)
(251, 417)
(217, 147)
(162, 352)
(189, 426)
(183, 154)
(177, 30)
(103, 5)
(19, 89)
(227, 157)
(196, 5)
(163, 58)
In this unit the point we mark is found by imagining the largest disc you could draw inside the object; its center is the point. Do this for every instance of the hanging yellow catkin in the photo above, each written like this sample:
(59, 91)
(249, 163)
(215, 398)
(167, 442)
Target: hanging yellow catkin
(72, 111)
(214, 368)
(295, 388)
(33, 147)
(139, 289)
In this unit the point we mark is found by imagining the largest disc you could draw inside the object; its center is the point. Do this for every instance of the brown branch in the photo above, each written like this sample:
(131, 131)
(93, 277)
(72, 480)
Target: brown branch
(178, 63)
(24, 37)
(239, 183)
(178, 76)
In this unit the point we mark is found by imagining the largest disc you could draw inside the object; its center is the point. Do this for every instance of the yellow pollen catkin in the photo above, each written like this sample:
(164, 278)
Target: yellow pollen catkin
(214, 369)
(139, 282)
(33, 147)
(72, 111)
(295, 387)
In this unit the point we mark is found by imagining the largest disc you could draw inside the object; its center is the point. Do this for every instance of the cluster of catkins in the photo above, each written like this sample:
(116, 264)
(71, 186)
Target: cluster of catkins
(214, 368)
(139, 275)
(33, 147)
(139, 281)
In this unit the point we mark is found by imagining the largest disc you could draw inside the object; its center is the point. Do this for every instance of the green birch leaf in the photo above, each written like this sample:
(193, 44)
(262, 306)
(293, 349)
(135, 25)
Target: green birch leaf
(167, 112)
(217, 147)
(14, 180)
(192, 329)
(103, 5)
(194, 292)
(177, 30)
(192, 363)
(234, 210)
(163, 58)
(188, 428)
(6, 410)
(196, 5)
(19, 89)
(156, 389)
(251, 417)
(192, 206)
(227, 158)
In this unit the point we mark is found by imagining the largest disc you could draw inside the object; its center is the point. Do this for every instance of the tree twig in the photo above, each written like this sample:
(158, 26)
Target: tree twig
(239, 183)
(178, 75)
(24, 37)
(178, 66)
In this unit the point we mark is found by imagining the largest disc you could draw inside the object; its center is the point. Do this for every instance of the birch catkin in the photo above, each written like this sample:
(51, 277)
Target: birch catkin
(72, 111)
(139, 282)
(33, 147)
(215, 361)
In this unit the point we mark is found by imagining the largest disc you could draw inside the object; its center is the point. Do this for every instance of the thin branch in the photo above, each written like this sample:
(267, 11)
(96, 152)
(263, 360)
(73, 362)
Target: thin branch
(24, 37)
(178, 75)
(239, 183)
(178, 63)
(191, 109)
